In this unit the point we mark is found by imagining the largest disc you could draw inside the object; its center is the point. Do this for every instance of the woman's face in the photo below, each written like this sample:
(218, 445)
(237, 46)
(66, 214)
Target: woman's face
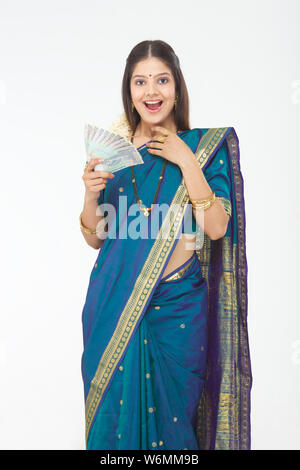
(152, 80)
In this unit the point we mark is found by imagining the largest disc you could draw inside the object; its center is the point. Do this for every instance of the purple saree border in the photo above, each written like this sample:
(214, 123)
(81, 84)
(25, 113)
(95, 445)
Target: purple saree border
(243, 264)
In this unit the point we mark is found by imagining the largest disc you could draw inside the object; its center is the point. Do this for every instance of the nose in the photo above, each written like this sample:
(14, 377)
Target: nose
(151, 88)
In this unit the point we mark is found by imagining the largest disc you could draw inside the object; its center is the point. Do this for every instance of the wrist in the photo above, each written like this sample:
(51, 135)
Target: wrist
(90, 197)
(188, 161)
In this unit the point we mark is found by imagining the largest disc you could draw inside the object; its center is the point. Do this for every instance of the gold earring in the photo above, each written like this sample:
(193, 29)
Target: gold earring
(175, 102)
(132, 105)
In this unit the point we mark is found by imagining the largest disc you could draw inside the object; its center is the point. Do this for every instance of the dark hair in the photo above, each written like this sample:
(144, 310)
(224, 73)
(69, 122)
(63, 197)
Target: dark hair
(164, 52)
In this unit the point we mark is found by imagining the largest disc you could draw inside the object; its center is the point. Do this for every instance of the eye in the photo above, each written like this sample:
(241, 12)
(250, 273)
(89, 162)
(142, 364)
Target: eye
(143, 81)
(164, 79)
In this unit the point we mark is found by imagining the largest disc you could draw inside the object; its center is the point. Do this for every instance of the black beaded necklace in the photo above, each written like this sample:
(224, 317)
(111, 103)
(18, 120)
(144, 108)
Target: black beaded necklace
(146, 210)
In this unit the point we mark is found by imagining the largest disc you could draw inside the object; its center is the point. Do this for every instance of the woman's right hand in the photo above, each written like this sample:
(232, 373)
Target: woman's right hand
(95, 180)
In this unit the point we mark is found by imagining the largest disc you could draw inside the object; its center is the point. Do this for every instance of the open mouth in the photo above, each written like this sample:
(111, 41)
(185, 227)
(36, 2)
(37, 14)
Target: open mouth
(153, 107)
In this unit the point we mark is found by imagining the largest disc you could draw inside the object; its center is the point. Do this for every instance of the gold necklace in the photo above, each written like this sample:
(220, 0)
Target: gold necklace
(146, 210)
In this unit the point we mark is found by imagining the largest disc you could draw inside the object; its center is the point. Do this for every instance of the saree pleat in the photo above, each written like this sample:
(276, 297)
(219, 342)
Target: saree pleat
(166, 360)
(152, 402)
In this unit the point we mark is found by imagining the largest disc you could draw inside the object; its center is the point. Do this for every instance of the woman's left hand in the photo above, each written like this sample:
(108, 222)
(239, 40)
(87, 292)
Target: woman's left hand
(173, 148)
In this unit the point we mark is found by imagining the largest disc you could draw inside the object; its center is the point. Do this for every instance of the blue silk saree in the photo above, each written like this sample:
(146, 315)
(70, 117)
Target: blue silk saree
(166, 361)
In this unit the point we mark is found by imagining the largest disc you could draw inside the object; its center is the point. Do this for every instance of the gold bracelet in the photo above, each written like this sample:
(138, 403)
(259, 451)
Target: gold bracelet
(85, 229)
(204, 205)
(204, 200)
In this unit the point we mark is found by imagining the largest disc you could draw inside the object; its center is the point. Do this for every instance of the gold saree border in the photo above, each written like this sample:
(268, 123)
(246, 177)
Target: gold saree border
(179, 273)
(226, 204)
(147, 278)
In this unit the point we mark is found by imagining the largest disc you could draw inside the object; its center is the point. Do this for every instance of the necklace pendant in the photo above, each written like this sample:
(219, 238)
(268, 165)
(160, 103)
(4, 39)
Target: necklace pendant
(146, 211)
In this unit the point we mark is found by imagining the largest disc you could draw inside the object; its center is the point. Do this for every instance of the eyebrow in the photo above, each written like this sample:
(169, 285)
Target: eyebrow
(144, 76)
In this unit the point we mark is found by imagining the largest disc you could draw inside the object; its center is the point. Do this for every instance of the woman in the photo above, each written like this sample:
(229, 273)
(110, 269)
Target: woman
(166, 358)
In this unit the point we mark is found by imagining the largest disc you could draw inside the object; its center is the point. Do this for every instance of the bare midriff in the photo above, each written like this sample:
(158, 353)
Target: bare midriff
(184, 245)
(182, 252)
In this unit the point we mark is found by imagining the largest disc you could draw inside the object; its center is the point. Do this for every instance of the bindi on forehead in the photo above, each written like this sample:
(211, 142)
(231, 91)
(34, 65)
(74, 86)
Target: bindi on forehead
(151, 75)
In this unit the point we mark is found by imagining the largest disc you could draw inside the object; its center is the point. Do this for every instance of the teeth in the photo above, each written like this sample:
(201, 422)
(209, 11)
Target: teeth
(152, 102)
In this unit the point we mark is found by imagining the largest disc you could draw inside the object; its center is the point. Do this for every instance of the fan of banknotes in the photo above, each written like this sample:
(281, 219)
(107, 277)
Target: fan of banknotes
(116, 151)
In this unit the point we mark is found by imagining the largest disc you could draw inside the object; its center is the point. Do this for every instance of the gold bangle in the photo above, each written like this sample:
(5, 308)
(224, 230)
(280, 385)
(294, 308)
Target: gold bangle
(85, 229)
(204, 205)
(204, 200)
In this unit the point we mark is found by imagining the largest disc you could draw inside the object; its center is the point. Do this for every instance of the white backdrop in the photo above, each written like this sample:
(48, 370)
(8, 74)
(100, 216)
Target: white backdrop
(61, 66)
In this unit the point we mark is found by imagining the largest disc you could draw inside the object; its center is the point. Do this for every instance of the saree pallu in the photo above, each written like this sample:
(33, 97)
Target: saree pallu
(177, 376)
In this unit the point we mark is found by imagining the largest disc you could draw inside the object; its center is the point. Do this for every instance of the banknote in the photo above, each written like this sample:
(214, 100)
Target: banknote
(116, 151)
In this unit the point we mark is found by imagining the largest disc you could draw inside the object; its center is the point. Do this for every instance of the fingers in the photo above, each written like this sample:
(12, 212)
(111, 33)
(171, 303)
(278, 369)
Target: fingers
(91, 168)
(94, 185)
(155, 145)
(92, 163)
(95, 180)
(97, 188)
(100, 174)
(159, 140)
